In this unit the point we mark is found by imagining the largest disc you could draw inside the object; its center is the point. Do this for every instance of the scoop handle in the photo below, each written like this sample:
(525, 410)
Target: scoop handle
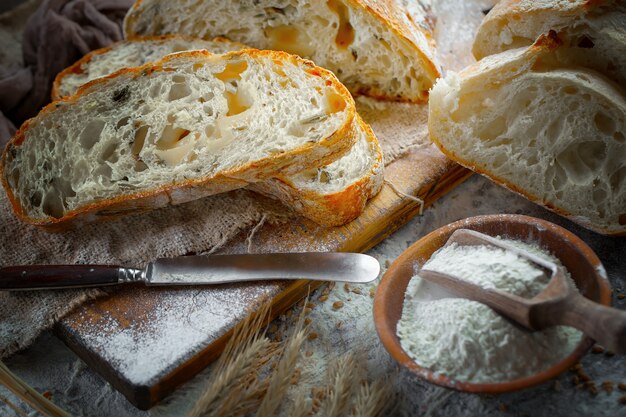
(604, 324)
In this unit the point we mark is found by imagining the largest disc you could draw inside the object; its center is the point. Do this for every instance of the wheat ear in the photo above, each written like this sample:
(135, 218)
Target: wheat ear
(243, 404)
(281, 378)
(246, 393)
(237, 360)
(339, 389)
(371, 400)
(301, 406)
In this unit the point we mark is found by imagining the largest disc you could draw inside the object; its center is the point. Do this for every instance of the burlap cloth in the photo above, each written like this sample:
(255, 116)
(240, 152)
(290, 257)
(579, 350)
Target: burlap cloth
(201, 226)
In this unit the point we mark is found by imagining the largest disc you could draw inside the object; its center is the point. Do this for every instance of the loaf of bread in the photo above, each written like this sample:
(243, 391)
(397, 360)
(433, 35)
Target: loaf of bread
(336, 193)
(550, 132)
(593, 32)
(190, 125)
(375, 47)
(131, 53)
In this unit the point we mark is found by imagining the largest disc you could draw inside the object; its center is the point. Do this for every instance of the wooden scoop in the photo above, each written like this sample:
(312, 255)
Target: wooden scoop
(559, 303)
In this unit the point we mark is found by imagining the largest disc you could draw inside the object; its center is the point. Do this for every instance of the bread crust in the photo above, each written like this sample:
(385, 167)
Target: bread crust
(565, 13)
(303, 157)
(334, 209)
(583, 221)
(77, 67)
(525, 59)
(390, 14)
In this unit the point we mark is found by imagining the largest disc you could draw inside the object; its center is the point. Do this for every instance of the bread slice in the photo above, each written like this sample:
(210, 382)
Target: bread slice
(593, 32)
(378, 48)
(332, 195)
(554, 134)
(191, 125)
(335, 194)
(131, 53)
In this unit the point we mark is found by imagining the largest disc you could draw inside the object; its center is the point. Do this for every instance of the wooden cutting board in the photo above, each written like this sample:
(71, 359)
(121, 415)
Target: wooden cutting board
(148, 341)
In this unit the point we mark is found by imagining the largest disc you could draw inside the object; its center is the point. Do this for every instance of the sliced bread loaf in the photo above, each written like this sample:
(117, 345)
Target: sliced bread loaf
(331, 195)
(191, 125)
(336, 193)
(131, 53)
(551, 133)
(378, 48)
(593, 32)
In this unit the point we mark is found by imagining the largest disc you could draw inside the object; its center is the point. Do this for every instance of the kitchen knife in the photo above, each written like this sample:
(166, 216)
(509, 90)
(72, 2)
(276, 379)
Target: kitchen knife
(197, 270)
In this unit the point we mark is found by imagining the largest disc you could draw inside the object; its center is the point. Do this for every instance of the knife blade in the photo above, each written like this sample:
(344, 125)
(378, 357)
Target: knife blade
(197, 270)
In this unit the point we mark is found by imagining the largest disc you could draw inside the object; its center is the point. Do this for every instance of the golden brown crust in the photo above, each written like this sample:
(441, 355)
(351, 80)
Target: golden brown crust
(506, 11)
(506, 8)
(77, 67)
(308, 155)
(333, 209)
(390, 14)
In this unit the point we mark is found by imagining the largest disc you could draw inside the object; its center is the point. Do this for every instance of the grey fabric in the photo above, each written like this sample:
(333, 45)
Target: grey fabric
(56, 35)
(6, 127)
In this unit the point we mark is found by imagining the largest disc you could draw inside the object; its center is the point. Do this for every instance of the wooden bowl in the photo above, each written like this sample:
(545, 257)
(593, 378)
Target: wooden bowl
(582, 263)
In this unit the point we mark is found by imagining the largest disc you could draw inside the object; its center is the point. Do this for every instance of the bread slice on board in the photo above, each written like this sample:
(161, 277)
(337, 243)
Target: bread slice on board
(593, 32)
(380, 48)
(131, 53)
(331, 195)
(191, 125)
(336, 193)
(552, 133)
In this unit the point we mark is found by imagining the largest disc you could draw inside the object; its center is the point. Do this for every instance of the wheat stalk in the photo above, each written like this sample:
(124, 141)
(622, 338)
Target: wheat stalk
(240, 357)
(371, 400)
(244, 402)
(28, 394)
(301, 406)
(281, 378)
(242, 375)
(248, 391)
(237, 390)
(339, 390)
(13, 407)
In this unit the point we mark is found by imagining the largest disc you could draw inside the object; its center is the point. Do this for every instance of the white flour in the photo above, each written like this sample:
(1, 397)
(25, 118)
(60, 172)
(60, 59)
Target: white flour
(467, 340)
(147, 348)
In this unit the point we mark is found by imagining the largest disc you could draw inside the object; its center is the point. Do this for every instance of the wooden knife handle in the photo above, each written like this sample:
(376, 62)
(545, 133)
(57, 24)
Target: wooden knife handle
(34, 277)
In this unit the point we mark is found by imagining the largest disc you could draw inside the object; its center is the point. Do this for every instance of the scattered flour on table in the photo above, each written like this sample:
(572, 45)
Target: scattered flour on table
(181, 324)
(467, 340)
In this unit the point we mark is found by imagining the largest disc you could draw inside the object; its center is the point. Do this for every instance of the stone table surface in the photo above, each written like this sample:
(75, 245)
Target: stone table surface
(50, 366)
